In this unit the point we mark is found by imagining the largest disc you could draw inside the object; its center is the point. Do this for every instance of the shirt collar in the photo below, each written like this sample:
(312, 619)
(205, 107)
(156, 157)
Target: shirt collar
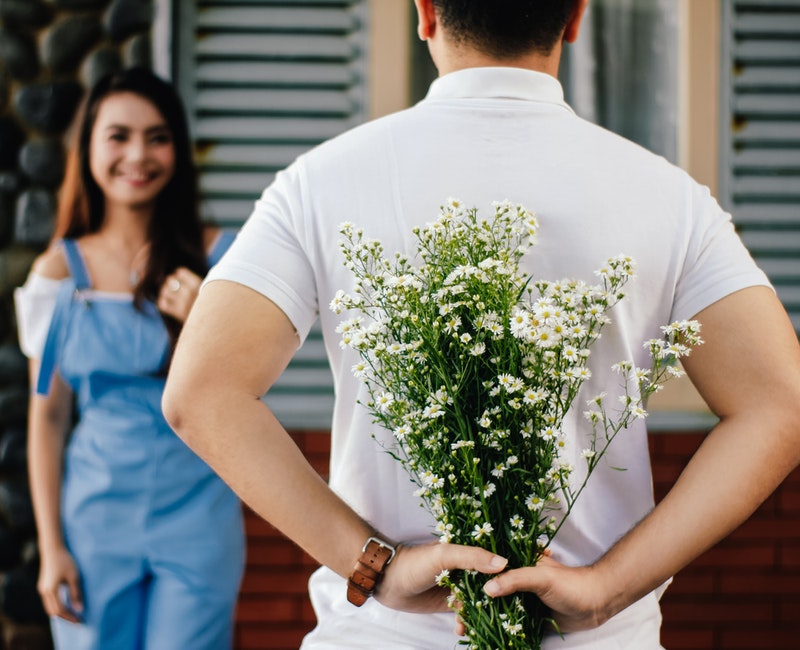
(498, 83)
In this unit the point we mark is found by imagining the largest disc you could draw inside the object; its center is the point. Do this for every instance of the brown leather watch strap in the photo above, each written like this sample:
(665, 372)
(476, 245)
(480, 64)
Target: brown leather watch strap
(375, 557)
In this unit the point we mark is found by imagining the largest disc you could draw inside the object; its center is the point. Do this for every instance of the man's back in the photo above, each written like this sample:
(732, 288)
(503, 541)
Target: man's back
(485, 135)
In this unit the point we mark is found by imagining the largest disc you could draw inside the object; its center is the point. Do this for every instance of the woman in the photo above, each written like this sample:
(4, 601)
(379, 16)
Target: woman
(141, 543)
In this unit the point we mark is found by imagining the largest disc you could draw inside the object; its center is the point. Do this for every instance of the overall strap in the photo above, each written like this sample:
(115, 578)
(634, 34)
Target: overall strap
(77, 267)
(54, 336)
(224, 240)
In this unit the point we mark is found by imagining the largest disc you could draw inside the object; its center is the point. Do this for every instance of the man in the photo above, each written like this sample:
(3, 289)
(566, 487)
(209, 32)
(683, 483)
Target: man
(493, 126)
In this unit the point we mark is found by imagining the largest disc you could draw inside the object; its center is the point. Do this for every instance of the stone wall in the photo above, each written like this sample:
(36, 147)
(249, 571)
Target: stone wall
(51, 51)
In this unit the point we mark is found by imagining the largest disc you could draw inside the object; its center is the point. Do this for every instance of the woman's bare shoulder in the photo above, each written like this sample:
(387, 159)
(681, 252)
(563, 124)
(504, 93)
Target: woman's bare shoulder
(210, 235)
(51, 264)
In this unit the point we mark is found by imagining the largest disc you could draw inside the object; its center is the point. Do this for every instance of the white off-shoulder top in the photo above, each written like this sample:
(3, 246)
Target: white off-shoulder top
(35, 302)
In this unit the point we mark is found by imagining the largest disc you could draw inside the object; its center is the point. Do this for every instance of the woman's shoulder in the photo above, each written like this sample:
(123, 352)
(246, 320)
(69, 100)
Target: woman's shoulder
(217, 243)
(35, 301)
(210, 236)
(51, 264)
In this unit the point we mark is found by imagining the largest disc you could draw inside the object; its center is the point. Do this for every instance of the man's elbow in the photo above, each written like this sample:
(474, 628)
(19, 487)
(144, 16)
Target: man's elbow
(177, 408)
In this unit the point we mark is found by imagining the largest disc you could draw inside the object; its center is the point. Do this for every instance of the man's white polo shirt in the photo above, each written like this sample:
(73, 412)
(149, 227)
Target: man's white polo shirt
(483, 135)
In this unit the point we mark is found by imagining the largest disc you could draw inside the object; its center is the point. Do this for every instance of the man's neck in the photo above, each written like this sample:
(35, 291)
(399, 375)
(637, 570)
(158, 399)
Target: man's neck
(462, 58)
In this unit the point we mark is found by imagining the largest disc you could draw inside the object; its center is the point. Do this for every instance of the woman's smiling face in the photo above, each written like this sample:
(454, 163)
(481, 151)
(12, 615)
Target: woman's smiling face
(131, 153)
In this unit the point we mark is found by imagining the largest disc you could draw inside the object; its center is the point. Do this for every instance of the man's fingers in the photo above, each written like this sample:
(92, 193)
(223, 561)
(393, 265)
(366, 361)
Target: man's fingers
(410, 583)
(471, 558)
(511, 582)
(531, 579)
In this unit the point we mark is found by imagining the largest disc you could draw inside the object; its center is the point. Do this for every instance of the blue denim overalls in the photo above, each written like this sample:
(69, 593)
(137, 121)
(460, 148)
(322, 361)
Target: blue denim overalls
(157, 536)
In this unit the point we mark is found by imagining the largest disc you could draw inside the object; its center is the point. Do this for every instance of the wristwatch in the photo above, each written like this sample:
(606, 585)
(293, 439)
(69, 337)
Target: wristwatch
(376, 555)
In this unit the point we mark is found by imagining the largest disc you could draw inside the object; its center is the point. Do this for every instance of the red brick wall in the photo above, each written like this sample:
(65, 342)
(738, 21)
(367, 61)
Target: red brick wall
(743, 594)
(274, 611)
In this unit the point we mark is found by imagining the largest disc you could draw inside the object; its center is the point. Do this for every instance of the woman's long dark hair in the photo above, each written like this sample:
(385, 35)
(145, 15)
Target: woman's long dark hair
(175, 231)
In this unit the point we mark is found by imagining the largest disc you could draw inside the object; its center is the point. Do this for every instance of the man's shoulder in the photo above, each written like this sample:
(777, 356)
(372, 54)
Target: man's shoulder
(363, 137)
(606, 140)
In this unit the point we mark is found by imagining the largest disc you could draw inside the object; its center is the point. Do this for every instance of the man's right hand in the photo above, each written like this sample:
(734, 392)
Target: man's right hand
(409, 583)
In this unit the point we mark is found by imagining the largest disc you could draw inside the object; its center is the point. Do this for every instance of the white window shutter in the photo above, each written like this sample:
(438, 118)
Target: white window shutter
(264, 81)
(760, 136)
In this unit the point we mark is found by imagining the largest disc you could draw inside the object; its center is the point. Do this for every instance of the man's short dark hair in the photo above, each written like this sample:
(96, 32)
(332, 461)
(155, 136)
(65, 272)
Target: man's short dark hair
(505, 29)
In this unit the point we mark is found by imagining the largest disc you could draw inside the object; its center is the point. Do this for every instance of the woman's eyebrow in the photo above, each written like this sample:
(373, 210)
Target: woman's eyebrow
(156, 128)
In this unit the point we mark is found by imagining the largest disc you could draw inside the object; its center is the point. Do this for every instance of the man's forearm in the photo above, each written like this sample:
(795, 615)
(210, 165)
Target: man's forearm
(737, 467)
(251, 451)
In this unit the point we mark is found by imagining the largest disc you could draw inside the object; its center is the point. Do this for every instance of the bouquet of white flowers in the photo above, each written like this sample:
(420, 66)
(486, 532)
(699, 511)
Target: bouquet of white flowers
(473, 365)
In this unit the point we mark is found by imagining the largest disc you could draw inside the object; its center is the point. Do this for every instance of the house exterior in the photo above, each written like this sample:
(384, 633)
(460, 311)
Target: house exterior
(265, 80)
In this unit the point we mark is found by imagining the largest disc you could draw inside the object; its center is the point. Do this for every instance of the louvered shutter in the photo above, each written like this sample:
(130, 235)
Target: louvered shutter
(760, 136)
(264, 81)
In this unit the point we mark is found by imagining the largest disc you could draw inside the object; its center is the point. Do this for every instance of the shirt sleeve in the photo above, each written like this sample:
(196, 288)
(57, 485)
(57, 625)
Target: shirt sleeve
(270, 256)
(717, 262)
(35, 303)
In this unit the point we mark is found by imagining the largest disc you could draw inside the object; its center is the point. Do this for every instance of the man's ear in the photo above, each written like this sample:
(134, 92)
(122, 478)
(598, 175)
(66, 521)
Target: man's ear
(426, 19)
(574, 22)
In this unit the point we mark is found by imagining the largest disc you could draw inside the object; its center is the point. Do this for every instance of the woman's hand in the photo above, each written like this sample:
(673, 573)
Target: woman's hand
(58, 577)
(178, 293)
